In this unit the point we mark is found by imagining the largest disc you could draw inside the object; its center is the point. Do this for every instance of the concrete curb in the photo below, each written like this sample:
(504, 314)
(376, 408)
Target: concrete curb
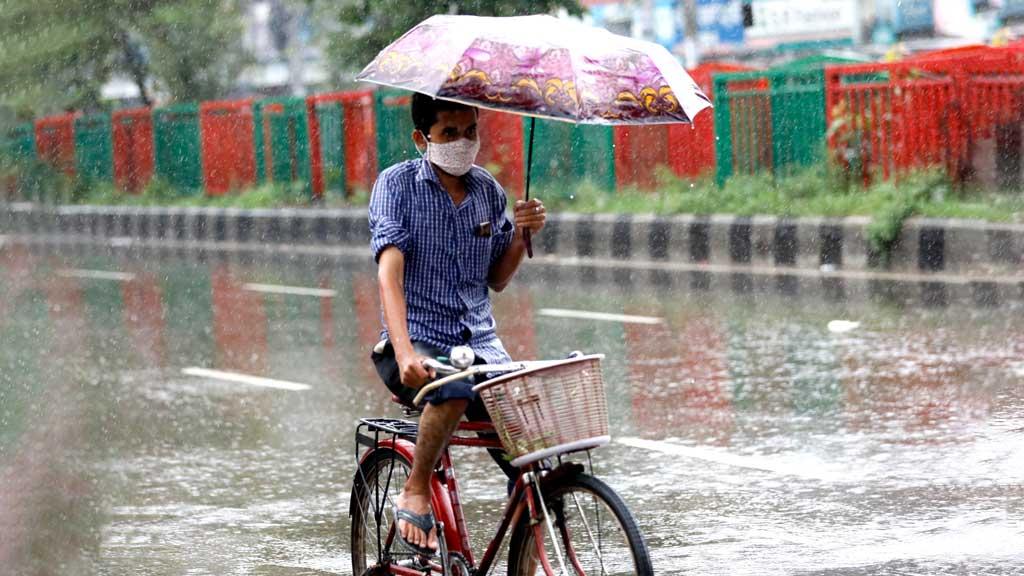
(959, 247)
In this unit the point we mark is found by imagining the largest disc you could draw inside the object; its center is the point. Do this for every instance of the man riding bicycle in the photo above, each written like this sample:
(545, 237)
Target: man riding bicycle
(442, 240)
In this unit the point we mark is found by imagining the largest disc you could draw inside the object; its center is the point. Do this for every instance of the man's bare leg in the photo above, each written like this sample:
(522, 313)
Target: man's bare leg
(437, 424)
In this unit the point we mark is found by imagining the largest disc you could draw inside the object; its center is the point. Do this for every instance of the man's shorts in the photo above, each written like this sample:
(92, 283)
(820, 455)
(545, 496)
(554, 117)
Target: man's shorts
(387, 368)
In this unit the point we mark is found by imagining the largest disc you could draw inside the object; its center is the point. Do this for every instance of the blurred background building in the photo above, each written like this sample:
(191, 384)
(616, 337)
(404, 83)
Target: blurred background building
(771, 30)
(287, 39)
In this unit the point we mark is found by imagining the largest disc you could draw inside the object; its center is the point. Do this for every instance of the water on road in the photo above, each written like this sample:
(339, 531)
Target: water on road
(753, 433)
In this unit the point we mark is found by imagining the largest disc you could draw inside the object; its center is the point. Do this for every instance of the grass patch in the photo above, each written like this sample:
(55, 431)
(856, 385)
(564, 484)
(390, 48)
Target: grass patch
(38, 182)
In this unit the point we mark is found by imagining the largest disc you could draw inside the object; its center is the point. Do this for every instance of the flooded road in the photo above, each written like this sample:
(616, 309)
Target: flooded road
(753, 433)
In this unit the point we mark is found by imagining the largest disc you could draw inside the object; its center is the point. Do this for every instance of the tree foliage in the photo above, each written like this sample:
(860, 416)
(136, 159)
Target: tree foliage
(195, 47)
(57, 54)
(368, 26)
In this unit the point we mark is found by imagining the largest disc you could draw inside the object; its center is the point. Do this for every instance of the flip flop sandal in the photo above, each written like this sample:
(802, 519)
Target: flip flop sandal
(424, 522)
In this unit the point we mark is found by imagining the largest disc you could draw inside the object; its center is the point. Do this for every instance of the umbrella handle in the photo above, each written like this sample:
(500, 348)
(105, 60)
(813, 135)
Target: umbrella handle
(529, 163)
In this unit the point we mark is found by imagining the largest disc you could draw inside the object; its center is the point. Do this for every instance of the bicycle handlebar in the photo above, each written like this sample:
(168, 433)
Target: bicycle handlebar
(460, 374)
(451, 376)
(440, 367)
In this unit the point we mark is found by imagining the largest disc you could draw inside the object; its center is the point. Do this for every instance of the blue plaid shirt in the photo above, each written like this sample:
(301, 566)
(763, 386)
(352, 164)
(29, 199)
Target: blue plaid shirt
(448, 251)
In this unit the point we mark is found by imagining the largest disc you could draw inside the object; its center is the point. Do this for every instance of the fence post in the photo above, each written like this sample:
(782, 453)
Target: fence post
(315, 161)
(723, 131)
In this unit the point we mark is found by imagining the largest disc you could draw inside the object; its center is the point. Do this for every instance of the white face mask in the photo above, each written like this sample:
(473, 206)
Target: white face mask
(455, 158)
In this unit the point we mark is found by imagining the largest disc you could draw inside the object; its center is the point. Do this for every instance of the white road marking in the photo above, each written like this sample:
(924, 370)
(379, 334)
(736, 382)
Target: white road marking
(776, 465)
(245, 379)
(97, 274)
(842, 326)
(603, 316)
(292, 290)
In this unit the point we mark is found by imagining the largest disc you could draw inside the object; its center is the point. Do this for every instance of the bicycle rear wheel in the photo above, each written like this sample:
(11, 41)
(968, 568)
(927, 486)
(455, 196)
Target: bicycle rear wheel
(597, 535)
(376, 486)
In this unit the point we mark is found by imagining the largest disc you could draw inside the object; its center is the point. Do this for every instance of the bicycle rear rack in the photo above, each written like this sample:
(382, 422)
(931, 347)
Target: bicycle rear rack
(376, 426)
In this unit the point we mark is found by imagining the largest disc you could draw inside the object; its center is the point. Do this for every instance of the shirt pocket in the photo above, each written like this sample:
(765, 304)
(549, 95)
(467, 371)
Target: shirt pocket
(481, 235)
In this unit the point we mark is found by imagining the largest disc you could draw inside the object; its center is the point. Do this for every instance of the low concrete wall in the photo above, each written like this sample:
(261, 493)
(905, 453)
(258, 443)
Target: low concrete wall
(926, 245)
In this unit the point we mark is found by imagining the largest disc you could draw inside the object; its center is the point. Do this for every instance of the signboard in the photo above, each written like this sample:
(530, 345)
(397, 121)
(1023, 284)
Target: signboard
(1012, 9)
(785, 21)
(719, 22)
(912, 16)
(668, 28)
(969, 19)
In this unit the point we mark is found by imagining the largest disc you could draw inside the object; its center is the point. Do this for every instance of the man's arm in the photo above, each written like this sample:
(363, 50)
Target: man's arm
(391, 279)
(530, 215)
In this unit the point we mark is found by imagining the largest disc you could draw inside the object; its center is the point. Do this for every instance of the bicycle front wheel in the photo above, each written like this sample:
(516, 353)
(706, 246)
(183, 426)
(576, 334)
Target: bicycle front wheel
(596, 534)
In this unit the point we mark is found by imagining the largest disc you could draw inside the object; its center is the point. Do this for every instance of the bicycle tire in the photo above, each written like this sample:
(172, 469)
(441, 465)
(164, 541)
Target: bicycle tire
(522, 550)
(364, 524)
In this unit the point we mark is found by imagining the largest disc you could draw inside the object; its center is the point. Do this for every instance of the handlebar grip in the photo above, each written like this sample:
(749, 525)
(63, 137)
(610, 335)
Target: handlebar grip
(439, 367)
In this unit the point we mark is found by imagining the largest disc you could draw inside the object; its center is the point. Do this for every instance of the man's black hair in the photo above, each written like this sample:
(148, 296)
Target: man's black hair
(425, 109)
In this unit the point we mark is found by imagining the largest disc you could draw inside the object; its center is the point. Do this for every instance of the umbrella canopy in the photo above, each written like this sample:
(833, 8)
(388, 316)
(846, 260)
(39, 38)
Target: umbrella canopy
(540, 66)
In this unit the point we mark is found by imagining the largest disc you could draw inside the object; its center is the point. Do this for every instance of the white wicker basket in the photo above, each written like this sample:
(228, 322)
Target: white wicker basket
(554, 409)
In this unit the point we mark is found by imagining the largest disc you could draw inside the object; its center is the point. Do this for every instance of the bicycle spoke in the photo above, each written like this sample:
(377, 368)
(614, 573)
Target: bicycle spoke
(590, 534)
(596, 534)
(373, 521)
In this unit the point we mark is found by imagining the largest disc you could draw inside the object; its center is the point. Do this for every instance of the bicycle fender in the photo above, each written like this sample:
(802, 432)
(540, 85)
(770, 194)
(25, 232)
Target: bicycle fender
(402, 446)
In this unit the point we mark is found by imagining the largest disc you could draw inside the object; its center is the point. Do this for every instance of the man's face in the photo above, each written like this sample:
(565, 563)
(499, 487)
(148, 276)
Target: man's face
(452, 125)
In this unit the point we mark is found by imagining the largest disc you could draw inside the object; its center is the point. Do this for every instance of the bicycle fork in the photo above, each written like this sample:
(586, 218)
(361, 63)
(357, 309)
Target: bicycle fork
(532, 479)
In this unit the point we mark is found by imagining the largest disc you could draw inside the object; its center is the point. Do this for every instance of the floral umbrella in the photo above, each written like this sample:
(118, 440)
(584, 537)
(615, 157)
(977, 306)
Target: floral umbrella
(540, 66)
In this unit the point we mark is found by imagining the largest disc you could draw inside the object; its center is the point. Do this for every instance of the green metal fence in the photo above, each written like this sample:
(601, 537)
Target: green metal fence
(281, 138)
(331, 117)
(565, 154)
(176, 146)
(771, 120)
(20, 142)
(394, 128)
(94, 149)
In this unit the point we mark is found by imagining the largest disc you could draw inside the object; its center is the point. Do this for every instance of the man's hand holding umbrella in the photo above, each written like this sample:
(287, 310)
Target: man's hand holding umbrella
(529, 215)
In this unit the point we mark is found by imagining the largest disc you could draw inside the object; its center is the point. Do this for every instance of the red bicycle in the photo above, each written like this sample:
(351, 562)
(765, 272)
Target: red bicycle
(562, 520)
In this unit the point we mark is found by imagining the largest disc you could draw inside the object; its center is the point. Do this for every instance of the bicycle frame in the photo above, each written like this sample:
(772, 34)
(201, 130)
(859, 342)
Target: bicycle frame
(447, 505)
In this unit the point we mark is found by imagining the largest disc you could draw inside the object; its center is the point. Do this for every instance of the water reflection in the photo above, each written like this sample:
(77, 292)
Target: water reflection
(748, 432)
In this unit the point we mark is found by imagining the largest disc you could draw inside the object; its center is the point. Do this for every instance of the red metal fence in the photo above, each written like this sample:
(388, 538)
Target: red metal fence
(691, 151)
(687, 149)
(931, 111)
(342, 136)
(639, 151)
(229, 159)
(55, 142)
(133, 148)
(501, 148)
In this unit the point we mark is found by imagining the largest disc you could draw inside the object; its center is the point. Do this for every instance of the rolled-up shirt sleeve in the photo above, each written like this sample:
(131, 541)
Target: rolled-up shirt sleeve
(504, 230)
(387, 218)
